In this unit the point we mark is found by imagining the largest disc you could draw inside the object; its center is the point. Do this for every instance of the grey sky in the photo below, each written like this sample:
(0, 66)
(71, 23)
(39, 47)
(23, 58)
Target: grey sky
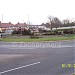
(38, 10)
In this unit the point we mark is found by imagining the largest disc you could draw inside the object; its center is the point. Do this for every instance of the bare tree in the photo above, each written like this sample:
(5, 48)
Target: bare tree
(51, 21)
(57, 23)
(54, 22)
(66, 21)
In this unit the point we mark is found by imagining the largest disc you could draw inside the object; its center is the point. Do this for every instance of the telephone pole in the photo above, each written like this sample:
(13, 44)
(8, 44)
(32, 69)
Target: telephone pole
(28, 20)
(2, 18)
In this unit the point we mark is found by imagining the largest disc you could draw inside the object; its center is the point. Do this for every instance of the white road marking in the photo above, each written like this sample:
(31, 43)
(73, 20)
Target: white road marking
(21, 48)
(19, 68)
(64, 46)
(58, 46)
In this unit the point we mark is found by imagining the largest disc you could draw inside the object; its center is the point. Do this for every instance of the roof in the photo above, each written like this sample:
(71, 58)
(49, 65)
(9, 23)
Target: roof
(6, 25)
(20, 25)
(70, 27)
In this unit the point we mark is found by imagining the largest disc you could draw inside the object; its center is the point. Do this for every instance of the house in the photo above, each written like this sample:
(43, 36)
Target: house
(20, 25)
(5, 26)
(35, 30)
(0, 30)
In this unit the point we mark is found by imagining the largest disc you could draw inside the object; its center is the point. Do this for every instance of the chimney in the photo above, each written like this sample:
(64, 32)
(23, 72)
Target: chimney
(9, 22)
(18, 23)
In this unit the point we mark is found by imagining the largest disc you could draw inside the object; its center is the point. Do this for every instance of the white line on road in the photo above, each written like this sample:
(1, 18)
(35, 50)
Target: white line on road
(21, 48)
(19, 68)
(61, 46)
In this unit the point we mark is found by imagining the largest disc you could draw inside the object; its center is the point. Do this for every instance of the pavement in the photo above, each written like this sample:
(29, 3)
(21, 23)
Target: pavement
(37, 58)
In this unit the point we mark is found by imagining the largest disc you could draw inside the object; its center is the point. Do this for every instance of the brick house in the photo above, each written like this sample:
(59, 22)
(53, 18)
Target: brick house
(4, 26)
(20, 25)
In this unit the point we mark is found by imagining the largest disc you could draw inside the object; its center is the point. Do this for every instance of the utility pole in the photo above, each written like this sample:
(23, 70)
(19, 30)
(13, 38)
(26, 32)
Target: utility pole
(28, 20)
(2, 18)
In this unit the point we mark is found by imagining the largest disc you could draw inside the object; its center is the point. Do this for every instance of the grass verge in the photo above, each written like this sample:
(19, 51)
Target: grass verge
(8, 39)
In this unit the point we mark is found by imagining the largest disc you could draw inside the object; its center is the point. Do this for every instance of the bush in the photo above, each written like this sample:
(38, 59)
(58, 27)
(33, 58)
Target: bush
(16, 32)
(23, 32)
(26, 32)
(68, 31)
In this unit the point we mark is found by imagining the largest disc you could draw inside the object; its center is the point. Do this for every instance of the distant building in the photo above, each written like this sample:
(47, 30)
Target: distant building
(70, 27)
(21, 25)
(4, 26)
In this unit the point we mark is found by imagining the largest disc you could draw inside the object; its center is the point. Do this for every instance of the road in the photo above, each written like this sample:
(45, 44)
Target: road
(38, 58)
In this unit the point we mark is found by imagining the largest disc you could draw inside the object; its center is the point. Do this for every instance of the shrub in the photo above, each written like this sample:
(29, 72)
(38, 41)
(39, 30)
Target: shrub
(26, 32)
(16, 32)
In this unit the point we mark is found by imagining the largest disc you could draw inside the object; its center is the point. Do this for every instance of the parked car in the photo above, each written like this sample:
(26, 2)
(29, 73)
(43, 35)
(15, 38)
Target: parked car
(6, 33)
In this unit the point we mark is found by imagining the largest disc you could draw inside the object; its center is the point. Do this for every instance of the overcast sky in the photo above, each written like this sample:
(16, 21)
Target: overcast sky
(37, 10)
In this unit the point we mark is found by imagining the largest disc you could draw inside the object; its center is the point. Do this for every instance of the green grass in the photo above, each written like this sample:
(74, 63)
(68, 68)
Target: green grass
(8, 39)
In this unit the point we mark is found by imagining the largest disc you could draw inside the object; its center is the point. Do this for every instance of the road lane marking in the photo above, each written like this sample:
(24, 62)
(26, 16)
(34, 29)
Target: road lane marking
(19, 68)
(21, 48)
(61, 46)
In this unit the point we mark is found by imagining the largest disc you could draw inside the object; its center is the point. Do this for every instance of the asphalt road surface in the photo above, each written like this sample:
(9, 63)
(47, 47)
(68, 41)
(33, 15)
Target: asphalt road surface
(38, 58)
